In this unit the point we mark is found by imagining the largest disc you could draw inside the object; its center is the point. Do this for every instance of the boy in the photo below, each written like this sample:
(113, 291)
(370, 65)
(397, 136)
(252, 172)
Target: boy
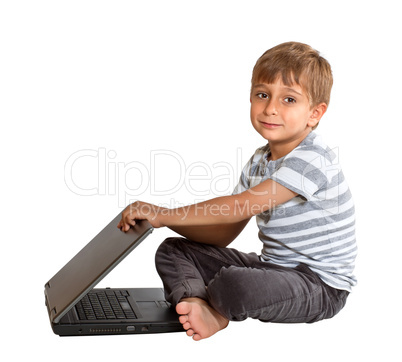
(304, 211)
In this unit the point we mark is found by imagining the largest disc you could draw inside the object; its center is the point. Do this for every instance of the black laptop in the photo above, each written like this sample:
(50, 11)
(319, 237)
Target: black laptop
(75, 308)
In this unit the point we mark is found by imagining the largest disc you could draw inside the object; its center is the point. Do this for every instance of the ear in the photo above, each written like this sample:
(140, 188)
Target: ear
(316, 114)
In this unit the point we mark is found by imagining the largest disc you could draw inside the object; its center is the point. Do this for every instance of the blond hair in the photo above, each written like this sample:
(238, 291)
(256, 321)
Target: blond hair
(296, 63)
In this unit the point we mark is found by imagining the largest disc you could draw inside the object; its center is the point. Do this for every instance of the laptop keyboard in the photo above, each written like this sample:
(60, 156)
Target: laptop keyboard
(105, 304)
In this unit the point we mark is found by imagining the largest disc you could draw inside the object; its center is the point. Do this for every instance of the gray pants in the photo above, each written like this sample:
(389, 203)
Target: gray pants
(239, 285)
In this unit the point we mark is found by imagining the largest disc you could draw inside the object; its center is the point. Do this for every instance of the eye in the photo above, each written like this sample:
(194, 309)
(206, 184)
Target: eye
(262, 95)
(290, 100)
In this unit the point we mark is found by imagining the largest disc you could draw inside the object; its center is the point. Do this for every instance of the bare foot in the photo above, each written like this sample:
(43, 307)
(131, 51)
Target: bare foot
(199, 319)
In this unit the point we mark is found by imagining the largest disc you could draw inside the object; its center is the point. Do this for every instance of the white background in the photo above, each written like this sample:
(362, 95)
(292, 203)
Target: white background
(128, 78)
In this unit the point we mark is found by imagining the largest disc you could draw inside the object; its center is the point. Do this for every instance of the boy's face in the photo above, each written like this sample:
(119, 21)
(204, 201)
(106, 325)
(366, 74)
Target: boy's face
(282, 114)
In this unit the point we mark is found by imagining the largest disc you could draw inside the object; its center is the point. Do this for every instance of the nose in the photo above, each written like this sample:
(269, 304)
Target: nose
(271, 108)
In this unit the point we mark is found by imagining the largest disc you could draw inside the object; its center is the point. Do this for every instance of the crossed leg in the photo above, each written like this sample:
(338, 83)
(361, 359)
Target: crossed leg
(210, 286)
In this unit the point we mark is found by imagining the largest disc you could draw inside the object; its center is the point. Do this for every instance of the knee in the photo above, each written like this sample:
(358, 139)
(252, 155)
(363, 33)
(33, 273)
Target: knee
(167, 248)
(168, 245)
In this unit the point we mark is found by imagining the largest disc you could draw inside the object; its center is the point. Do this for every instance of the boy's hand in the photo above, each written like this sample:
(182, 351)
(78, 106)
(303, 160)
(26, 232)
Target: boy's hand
(139, 211)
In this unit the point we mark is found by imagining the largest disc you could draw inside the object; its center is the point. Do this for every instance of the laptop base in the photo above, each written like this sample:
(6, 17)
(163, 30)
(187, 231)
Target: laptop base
(152, 315)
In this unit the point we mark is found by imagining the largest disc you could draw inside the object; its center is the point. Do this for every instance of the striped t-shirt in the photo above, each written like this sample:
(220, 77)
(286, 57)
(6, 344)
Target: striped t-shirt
(317, 227)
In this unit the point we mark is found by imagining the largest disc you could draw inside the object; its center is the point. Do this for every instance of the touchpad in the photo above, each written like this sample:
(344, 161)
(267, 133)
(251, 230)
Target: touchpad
(143, 304)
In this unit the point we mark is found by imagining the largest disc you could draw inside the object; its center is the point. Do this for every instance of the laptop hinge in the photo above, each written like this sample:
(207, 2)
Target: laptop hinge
(52, 312)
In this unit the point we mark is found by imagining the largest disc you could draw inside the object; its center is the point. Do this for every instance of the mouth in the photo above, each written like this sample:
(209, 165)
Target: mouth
(270, 125)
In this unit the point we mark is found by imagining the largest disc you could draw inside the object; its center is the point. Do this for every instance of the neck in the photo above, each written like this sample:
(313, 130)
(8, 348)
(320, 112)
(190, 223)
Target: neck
(280, 149)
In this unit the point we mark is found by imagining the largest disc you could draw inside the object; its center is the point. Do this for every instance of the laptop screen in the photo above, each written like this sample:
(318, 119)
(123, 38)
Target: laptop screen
(91, 265)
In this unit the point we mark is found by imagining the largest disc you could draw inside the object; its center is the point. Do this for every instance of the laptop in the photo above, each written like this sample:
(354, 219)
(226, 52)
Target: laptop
(75, 308)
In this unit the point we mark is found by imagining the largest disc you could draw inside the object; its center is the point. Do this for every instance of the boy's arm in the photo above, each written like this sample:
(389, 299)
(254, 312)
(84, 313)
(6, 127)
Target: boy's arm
(231, 211)
(219, 235)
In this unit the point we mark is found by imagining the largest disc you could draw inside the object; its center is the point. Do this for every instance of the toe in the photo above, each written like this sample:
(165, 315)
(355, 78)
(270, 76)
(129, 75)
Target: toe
(186, 326)
(183, 319)
(196, 337)
(183, 308)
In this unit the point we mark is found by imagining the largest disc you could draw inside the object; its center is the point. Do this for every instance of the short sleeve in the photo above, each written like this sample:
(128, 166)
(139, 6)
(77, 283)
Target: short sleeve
(303, 172)
(251, 170)
(244, 182)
